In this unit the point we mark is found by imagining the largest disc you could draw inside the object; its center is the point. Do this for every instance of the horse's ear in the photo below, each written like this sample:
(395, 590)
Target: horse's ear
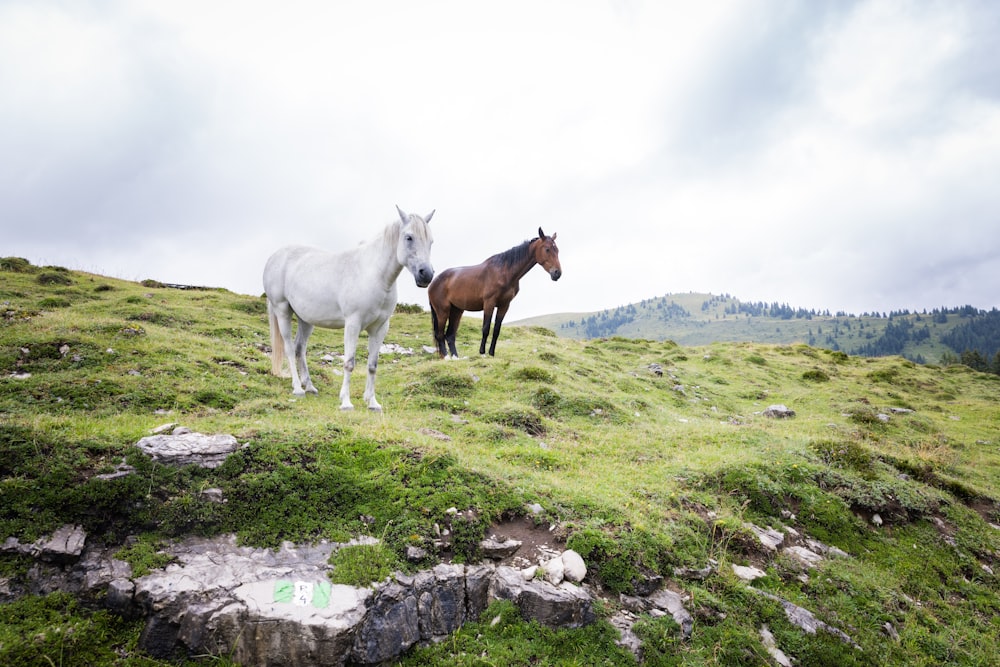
(555, 235)
(402, 216)
(429, 216)
(541, 234)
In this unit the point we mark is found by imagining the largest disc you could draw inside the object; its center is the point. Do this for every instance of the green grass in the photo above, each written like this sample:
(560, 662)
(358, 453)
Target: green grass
(645, 472)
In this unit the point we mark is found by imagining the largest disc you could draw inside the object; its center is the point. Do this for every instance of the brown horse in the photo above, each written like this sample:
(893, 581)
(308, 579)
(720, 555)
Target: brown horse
(487, 286)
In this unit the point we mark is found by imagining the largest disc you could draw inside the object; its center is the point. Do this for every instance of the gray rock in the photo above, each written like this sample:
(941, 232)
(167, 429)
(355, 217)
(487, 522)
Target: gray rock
(673, 604)
(63, 546)
(119, 595)
(206, 451)
(778, 411)
(805, 620)
(623, 621)
(748, 573)
(574, 569)
(646, 583)
(477, 589)
(497, 550)
(691, 573)
(415, 554)
(565, 606)
(278, 607)
(825, 549)
(767, 639)
(392, 626)
(804, 556)
(771, 539)
(554, 570)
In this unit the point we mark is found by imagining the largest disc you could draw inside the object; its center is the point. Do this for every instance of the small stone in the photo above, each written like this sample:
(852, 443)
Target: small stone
(213, 495)
(779, 411)
(748, 573)
(767, 639)
(555, 571)
(415, 554)
(437, 435)
(770, 538)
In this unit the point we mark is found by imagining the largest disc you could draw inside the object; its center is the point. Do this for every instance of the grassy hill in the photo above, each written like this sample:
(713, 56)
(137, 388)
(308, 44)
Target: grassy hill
(701, 319)
(644, 472)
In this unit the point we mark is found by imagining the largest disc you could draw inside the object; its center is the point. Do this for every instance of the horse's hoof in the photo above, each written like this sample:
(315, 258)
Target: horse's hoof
(375, 408)
(346, 408)
(298, 392)
(312, 390)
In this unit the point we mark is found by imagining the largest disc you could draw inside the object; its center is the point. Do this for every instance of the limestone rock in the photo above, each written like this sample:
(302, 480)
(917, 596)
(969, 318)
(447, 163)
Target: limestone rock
(574, 568)
(498, 550)
(804, 556)
(673, 603)
(63, 546)
(771, 539)
(748, 573)
(555, 570)
(805, 620)
(565, 606)
(206, 451)
(767, 639)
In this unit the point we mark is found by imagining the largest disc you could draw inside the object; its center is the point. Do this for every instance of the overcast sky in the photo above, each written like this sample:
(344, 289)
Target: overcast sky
(831, 155)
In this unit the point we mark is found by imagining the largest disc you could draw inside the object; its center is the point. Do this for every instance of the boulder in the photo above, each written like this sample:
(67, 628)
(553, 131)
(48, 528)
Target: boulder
(206, 451)
(574, 569)
(565, 606)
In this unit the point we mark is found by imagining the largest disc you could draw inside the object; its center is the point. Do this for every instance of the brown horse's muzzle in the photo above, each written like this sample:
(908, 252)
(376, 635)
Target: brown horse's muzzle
(556, 274)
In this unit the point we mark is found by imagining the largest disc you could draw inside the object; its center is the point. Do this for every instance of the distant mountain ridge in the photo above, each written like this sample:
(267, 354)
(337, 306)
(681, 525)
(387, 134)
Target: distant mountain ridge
(942, 335)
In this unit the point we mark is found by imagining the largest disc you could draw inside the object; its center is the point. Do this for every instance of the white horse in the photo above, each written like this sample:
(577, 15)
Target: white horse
(353, 290)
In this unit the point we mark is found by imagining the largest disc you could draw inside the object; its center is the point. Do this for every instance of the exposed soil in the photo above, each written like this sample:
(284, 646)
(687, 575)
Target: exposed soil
(539, 542)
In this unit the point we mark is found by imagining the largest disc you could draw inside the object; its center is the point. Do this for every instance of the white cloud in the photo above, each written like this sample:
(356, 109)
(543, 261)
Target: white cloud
(830, 155)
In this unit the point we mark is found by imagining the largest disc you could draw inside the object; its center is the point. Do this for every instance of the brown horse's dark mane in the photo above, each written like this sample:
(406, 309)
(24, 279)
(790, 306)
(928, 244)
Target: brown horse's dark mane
(514, 256)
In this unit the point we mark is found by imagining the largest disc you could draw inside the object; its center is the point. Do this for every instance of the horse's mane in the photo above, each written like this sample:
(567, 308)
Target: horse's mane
(515, 255)
(390, 235)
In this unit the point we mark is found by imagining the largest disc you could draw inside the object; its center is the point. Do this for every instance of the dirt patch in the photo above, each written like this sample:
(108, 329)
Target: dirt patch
(539, 542)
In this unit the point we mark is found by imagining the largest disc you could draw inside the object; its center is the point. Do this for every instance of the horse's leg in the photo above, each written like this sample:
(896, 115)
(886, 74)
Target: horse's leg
(283, 313)
(439, 329)
(487, 317)
(376, 335)
(352, 329)
(501, 312)
(301, 339)
(452, 332)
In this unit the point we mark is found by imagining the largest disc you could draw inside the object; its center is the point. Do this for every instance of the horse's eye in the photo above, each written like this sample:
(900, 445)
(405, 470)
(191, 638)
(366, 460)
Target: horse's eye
(409, 238)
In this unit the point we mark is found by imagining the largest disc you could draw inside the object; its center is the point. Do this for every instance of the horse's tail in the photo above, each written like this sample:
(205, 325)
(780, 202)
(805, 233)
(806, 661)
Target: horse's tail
(277, 343)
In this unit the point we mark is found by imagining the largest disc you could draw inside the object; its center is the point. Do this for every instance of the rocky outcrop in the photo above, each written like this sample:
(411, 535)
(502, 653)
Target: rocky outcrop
(279, 607)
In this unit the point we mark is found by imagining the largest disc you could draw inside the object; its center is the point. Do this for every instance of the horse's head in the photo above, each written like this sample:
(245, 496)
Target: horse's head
(414, 247)
(547, 254)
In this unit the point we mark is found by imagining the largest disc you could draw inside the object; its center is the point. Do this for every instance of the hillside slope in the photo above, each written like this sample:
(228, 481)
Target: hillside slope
(652, 458)
(701, 319)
